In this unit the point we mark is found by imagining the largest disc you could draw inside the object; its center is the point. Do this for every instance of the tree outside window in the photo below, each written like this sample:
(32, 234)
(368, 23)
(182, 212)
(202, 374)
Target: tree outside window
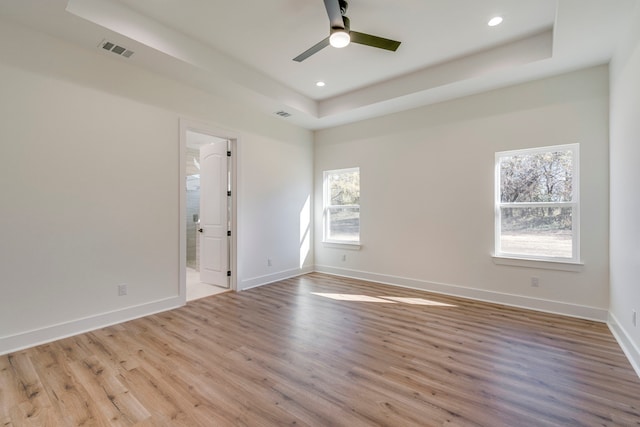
(342, 206)
(537, 209)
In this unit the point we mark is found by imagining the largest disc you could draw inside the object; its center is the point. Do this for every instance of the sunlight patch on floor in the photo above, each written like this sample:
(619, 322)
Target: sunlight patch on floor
(352, 297)
(419, 301)
(382, 299)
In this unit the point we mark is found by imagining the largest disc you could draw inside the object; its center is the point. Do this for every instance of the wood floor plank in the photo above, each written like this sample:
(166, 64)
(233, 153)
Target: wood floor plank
(320, 350)
(118, 405)
(66, 392)
(31, 403)
(10, 395)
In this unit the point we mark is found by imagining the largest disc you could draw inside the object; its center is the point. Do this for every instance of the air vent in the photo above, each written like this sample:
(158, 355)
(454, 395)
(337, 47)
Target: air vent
(117, 49)
(283, 113)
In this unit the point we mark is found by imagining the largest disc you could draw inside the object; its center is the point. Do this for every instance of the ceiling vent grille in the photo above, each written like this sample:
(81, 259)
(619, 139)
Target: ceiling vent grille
(115, 48)
(283, 113)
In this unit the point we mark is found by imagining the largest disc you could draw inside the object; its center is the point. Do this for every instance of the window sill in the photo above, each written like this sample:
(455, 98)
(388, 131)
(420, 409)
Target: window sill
(342, 245)
(540, 264)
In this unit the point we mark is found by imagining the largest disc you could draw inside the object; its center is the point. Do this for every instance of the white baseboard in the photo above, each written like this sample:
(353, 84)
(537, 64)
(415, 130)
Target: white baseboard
(555, 307)
(36, 337)
(17, 342)
(23, 340)
(630, 349)
(274, 277)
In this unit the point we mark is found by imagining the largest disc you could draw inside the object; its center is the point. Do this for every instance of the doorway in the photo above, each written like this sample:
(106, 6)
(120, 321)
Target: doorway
(207, 212)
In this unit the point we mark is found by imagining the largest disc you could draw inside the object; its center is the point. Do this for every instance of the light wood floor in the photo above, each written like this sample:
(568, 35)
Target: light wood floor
(323, 351)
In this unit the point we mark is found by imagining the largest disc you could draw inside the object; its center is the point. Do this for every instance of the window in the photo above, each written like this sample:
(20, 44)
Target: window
(342, 206)
(537, 207)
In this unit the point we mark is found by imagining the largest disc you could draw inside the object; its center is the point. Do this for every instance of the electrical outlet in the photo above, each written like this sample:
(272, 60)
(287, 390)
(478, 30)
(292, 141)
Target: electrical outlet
(535, 282)
(269, 263)
(634, 318)
(122, 289)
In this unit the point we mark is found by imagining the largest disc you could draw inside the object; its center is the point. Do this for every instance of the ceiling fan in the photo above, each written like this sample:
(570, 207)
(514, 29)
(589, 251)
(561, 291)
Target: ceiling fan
(341, 34)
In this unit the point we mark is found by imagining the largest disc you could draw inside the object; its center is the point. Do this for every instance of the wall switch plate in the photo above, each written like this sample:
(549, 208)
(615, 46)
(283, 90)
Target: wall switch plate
(122, 289)
(344, 257)
(269, 263)
(634, 318)
(535, 282)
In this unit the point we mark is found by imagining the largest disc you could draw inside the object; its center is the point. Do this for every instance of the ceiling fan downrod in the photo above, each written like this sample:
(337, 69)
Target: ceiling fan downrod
(343, 7)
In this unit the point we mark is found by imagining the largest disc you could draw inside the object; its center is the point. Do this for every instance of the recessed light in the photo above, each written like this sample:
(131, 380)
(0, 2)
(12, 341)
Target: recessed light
(320, 84)
(496, 20)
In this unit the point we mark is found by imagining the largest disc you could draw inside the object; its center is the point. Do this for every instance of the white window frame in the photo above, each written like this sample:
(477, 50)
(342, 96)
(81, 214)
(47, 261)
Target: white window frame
(326, 207)
(574, 204)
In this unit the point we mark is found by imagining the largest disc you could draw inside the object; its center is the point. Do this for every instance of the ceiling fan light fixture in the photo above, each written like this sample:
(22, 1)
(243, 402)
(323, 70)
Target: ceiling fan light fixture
(339, 38)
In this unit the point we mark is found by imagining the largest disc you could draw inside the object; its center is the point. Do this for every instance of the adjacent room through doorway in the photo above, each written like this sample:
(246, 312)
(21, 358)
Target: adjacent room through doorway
(207, 215)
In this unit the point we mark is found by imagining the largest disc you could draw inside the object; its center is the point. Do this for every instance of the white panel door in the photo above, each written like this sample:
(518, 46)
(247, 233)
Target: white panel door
(214, 253)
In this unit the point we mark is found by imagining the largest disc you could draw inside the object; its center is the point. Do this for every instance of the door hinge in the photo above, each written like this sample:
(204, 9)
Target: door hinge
(229, 193)
(229, 233)
(228, 273)
(228, 153)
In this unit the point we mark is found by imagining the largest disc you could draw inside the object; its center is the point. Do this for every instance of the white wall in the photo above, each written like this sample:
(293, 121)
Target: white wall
(625, 196)
(89, 180)
(427, 191)
(276, 182)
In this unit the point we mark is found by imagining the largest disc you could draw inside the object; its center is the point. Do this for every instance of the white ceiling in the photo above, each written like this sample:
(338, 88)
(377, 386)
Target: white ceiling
(244, 48)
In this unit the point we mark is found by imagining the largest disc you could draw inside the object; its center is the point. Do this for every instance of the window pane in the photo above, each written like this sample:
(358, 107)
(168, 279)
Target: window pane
(344, 224)
(543, 232)
(344, 188)
(537, 177)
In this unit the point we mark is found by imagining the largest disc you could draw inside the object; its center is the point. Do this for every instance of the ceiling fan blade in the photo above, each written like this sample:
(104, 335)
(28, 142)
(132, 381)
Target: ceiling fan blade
(335, 15)
(314, 49)
(374, 41)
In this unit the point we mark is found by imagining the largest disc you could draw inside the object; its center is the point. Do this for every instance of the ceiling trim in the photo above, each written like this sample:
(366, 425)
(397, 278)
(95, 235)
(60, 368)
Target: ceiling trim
(137, 27)
(513, 54)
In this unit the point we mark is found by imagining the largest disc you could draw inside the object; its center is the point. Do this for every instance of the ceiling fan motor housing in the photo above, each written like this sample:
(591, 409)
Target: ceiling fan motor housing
(347, 26)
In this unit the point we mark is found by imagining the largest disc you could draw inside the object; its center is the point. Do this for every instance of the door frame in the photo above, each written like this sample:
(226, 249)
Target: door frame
(207, 129)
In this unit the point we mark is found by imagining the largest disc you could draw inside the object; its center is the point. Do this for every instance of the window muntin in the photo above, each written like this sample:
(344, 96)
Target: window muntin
(342, 206)
(537, 207)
